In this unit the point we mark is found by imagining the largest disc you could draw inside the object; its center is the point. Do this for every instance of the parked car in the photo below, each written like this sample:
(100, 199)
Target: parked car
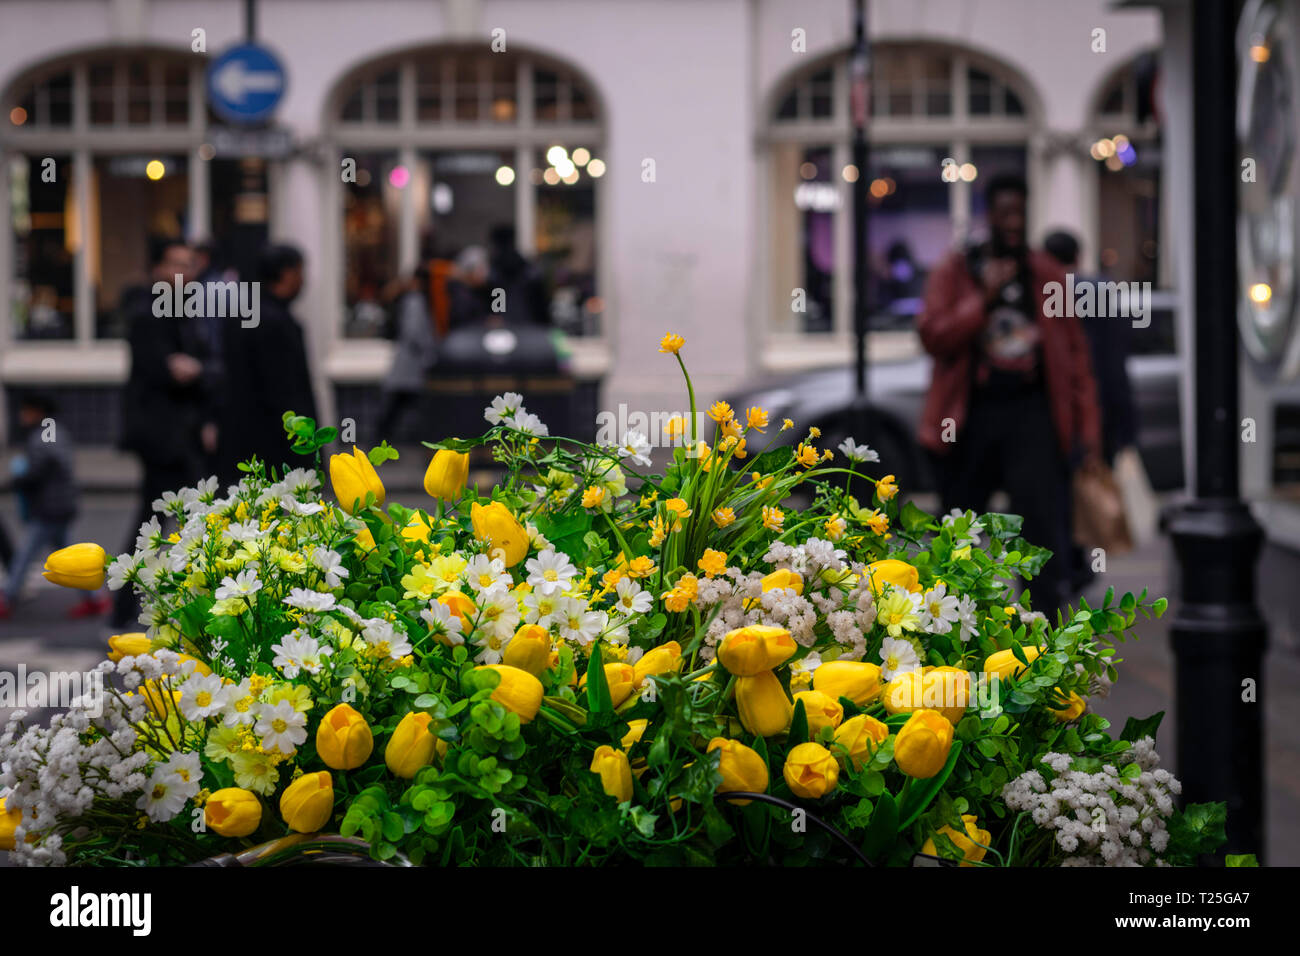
(896, 389)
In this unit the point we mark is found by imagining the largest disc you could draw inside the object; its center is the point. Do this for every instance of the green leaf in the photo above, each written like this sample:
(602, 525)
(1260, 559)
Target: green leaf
(382, 453)
(913, 518)
(1198, 829)
(919, 797)
(798, 726)
(1240, 859)
(1135, 729)
(882, 834)
(598, 699)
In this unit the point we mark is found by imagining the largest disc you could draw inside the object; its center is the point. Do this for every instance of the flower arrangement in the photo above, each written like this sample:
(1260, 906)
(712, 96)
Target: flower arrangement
(593, 664)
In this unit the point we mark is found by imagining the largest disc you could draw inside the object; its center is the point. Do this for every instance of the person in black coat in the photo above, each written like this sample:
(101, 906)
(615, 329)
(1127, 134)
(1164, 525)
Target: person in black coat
(168, 417)
(266, 370)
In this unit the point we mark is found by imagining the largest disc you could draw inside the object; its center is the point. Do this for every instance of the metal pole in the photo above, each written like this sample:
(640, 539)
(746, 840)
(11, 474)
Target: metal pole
(250, 20)
(860, 79)
(1217, 632)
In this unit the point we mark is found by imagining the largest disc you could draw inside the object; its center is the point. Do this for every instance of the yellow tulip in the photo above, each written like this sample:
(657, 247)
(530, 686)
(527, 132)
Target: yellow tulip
(519, 691)
(973, 843)
(860, 736)
(78, 566)
(529, 650)
(947, 690)
(344, 740)
(128, 645)
(783, 578)
(821, 710)
(905, 693)
(308, 803)
(156, 697)
(764, 708)
(495, 524)
(1004, 663)
(921, 748)
(365, 539)
(446, 474)
(621, 679)
(615, 772)
(352, 476)
(9, 820)
(635, 731)
(895, 572)
(411, 746)
(742, 768)
(810, 771)
(1073, 709)
(751, 650)
(858, 681)
(658, 660)
(233, 812)
(417, 529)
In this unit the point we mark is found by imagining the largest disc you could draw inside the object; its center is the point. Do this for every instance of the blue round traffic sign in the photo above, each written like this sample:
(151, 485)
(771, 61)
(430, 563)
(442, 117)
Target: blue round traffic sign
(245, 84)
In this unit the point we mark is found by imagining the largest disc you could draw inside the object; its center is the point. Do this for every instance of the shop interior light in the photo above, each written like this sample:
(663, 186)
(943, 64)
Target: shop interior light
(505, 175)
(155, 169)
(581, 156)
(556, 155)
(596, 168)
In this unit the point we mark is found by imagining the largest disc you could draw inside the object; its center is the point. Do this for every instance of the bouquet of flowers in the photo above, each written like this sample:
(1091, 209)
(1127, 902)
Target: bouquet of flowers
(758, 655)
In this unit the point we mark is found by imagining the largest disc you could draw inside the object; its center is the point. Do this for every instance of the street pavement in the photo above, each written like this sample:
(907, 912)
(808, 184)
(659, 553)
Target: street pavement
(39, 636)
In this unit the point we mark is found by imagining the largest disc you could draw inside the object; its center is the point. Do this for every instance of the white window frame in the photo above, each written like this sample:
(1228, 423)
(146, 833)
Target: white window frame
(955, 133)
(359, 360)
(84, 359)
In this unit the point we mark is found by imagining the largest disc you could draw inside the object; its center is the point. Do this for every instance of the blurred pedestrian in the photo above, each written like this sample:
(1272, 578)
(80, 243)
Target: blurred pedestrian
(168, 418)
(47, 493)
(267, 372)
(523, 293)
(467, 289)
(414, 353)
(1012, 403)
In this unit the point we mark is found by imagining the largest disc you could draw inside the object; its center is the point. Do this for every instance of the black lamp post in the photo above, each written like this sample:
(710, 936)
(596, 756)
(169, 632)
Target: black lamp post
(860, 87)
(1217, 632)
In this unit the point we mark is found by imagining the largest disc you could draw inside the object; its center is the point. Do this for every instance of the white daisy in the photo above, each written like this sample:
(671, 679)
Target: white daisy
(540, 608)
(185, 766)
(966, 617)
(237, 704)
(299, 652)
(938, 610)
(530, 424)
(280, 727)
(301, 508)
(441, 621)
(898, 657)
(329, 563)
(632, 598)
(576, 622)
(498, 612)
(484, 573)
(244, 584)
(503, 407)
(492, 646)
(164, 795)
(310, 600)
(859, 453)
(550, 572)
(636, 447)
(386, 638)
(201, 696)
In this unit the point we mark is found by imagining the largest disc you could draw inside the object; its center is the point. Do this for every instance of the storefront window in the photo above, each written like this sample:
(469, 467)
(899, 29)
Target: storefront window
(371, 210)
(45, 233)
(565, 180)
(910, 228)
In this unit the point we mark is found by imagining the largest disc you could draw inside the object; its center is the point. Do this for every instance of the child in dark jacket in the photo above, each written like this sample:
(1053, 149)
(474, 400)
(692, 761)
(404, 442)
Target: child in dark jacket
(47, 498)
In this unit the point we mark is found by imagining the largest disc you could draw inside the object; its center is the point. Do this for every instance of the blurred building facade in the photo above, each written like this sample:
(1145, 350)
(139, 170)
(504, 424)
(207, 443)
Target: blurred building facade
(702, 184)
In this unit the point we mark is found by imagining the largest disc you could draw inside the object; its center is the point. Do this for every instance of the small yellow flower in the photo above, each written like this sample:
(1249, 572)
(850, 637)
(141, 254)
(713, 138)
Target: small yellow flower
(773, 517)
(786, 424)
(593, 497)
(690, 585)
(732, 428)
(756, 417)
(886, 488)
(675, 427)
(805, 455)
(721, 412)
(759, 481)
(835, 527)
(713, 562)
(814, 432)
(640, 567)
(723, 516)
(876, 521)
(671, 343)
(658, 531)
(676, 600)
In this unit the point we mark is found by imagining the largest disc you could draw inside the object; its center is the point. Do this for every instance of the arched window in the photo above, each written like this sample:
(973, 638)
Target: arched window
(98, 152)
(930, 104)
(441, 150)
(1124, 142)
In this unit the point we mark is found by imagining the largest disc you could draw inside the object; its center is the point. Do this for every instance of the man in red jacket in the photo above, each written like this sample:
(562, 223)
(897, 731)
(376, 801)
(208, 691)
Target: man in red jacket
(1012, 403)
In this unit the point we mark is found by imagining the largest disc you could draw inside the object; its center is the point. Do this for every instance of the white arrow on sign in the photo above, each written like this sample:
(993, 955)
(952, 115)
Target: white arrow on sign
(234, 83)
